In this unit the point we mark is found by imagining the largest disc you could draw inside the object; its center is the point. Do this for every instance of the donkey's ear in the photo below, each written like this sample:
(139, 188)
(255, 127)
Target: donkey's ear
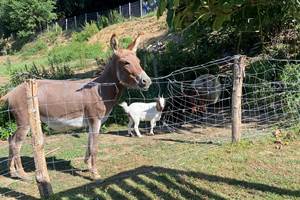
(134, 45)
(114, 42)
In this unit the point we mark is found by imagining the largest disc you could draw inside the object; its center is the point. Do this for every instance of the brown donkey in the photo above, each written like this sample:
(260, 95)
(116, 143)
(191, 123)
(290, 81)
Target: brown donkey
(73, 104)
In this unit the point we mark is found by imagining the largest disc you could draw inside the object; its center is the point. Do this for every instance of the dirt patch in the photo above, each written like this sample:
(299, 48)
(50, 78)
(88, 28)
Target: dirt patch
(3, 80)
(150, 26)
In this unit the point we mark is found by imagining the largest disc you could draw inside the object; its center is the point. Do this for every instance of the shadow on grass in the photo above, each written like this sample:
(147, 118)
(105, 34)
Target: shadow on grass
(9, 193)
(148, 182)
(53, 163)
(189, 141)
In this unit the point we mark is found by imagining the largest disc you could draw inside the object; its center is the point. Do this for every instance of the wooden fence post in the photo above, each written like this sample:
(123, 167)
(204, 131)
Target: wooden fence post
(56, 25)
(66, 24)
(75, 22)
(141, 8)
(236, 104)
(41, 172)
(120, 10)
(129, 10)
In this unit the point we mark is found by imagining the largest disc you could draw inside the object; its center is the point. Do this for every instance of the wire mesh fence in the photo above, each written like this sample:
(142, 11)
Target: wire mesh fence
(198, 104)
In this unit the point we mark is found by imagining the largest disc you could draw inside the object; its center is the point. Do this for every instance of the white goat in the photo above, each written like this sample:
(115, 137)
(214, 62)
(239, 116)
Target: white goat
(143, 112)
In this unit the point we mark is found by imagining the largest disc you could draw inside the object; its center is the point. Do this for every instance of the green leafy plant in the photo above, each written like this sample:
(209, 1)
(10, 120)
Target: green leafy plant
(112, 17)
(183, 13)
(89, 30)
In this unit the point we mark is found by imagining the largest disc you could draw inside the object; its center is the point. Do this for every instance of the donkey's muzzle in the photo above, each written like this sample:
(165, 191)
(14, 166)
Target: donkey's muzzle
(145, 81)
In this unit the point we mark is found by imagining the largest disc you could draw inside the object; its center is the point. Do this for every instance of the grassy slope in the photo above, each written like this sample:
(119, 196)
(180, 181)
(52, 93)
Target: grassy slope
(168, 166)
(38, 50)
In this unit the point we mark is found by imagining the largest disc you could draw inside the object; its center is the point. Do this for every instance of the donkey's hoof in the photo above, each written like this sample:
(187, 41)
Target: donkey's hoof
(95, 176)
(21, 175)
(140, 136)
(151, 134)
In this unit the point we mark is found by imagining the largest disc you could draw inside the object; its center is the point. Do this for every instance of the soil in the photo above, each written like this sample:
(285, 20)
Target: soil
(151, 27)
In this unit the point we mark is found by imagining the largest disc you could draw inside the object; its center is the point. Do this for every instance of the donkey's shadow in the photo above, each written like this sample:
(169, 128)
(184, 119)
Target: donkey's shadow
(53, 163)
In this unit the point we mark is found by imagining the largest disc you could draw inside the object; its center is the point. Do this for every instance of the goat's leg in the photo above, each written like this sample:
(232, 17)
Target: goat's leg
(14, 159)
(92, 149)
(130, 123)
(152, 125)
(136, 128)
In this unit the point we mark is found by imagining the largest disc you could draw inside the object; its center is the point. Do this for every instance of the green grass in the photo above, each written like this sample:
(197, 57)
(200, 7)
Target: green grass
(9, 66)
(167, 166)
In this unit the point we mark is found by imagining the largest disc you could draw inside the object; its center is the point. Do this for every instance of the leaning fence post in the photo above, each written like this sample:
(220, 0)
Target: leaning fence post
(236, 104)
(41, 172)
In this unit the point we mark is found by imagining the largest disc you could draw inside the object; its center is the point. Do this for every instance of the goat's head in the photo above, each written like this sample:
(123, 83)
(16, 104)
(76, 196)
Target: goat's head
(128, 68)
(160, 103)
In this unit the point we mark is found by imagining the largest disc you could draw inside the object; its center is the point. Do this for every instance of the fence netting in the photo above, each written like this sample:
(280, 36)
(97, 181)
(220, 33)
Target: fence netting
(197, 111)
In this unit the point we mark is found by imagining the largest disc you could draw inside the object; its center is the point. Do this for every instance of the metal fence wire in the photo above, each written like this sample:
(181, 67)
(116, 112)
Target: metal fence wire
(132, 9)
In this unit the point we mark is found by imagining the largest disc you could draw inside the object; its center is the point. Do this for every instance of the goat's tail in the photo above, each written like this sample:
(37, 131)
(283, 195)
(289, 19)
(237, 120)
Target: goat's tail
(125, 106)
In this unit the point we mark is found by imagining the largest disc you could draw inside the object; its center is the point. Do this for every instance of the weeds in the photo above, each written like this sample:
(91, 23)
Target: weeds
(74, 51)
(89, 30)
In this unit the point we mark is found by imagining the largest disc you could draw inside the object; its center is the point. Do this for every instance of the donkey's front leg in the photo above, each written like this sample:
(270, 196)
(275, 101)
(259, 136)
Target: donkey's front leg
(92, 149)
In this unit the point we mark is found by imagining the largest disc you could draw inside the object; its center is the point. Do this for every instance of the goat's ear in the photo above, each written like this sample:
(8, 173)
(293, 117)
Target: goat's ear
(114, 43)
(134, 45)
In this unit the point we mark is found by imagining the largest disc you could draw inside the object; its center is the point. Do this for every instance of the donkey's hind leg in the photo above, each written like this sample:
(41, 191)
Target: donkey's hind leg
(14, 159)
(92, 148)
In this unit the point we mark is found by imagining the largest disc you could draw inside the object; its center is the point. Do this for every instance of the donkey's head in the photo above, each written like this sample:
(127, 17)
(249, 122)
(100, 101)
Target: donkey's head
(128, 68)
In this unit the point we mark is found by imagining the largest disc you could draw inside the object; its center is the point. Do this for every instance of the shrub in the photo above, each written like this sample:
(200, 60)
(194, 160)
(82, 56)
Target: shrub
(53, 33)
(89, 30)
(53, 72)
(34, 47)
(102, 22)
(112, 17)
(291, 78)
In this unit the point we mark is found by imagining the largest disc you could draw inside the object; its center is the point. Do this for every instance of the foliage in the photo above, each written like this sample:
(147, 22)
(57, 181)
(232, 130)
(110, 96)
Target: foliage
(112, 17)
(291, 78)
(89, 30)
(285, 44)
(73, 51)
(182, 13)
(34, 47)
(54, 72)
(23, 18)
(52, 34)
(124, 42)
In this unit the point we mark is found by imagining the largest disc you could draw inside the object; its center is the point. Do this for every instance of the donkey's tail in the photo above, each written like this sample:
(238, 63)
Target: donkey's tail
(125, 106)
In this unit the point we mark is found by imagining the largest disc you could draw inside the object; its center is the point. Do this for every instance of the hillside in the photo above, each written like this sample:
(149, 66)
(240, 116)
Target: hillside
(50, 46)
(152, 28)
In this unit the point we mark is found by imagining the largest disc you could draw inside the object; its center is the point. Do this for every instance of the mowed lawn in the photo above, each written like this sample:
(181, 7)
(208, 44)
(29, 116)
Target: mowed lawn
(164, 166)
